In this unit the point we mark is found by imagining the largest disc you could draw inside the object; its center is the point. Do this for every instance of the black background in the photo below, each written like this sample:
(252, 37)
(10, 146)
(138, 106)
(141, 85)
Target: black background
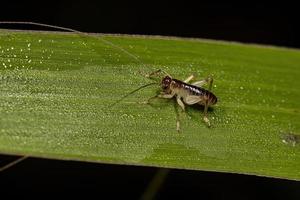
(44, 178)
(266, 23)
(263, 23)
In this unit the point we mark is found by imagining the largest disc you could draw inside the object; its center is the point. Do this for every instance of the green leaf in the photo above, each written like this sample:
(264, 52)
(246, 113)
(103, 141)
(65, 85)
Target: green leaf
(57, 89)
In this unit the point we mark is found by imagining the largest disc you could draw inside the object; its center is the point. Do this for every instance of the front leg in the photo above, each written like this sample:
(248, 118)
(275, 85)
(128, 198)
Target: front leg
(180, 103)
(165, 96)
(161, 95)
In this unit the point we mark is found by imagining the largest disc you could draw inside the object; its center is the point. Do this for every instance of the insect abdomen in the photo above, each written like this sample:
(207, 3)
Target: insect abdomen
(204, 94)
(212, 99)
(198, 91)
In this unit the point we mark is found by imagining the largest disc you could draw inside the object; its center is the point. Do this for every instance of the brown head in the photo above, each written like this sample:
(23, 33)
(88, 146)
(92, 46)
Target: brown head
(165, 83)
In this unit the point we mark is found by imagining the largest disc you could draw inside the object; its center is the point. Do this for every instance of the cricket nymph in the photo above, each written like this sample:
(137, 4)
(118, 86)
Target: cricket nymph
(188, 94)
(184, 91)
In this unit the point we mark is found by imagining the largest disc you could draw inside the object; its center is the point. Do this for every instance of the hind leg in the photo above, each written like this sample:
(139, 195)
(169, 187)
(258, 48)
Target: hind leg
(205, 118)
(191, 77)
(208, 80)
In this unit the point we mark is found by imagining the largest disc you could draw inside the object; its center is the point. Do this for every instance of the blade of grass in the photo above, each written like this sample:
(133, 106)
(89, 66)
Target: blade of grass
(11, 164)
(155, 184)
(56, 89)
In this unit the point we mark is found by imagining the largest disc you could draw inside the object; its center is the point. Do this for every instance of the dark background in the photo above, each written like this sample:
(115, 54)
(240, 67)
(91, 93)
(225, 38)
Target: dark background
(45, 178)
(275, 24)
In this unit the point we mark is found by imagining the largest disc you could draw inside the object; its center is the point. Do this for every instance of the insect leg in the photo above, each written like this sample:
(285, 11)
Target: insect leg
(191, 77)
(166, 96)
(148, 100)
(178, 118)
(156, 73)
(206, 120)
(208, 80)
(162, 95)
(153, 73)
(180, 103)
(177, 124)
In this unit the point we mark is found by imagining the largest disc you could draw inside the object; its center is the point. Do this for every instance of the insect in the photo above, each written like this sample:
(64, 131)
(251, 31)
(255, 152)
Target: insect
(186, 93)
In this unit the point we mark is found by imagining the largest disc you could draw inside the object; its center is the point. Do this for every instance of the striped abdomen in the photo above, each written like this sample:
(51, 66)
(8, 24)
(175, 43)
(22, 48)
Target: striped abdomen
(183, 89)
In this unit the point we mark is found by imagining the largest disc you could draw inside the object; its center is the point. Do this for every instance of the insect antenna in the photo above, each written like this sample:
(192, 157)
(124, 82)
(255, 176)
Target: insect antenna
(130, 93)
(156, 73)
(78, 32)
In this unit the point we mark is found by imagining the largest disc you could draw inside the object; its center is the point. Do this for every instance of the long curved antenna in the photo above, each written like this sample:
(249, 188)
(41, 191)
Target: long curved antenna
(76, 31)
(157, 72)
(143, 86)
(43, 25)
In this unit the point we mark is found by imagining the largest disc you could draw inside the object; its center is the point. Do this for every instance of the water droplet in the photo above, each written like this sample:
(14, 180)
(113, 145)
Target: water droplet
(241, 87)
(40, 40)
(28, 45)
(273, 116)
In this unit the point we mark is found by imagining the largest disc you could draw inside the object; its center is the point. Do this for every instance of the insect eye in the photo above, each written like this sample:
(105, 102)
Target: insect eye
(166, 83)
